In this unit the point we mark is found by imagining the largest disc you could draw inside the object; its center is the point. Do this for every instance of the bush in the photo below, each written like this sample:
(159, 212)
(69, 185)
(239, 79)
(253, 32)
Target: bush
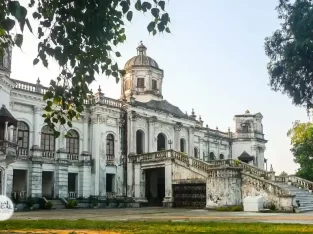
(48, 205)
(71, 204)
(271, 206)
(230, 208)
(30, 201)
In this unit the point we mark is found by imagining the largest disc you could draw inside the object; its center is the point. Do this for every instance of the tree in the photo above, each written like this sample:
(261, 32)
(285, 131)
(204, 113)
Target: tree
(290, 50)
(301, 135)
(283, 173)
(81, 35)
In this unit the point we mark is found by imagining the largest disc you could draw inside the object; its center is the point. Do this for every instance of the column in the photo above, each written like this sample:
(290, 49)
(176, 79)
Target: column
(86, 133)
(95, 151)
(168, 199)
(102, 166)
(11, 130)
(129, 187)
(36, 172)
(191, 141)
(85, 175)
(201, 149)
(177, 130)
(6, 134)
(61, 186)
(137, 175)
(151, 142)
(36, 136)
(9, 181)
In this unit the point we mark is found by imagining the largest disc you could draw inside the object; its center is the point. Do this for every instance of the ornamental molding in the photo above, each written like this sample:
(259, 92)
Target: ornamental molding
(27, 96)
(178, 126)
(135, 116)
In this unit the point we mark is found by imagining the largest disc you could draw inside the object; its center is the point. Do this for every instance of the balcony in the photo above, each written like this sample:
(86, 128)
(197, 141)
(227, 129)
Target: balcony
(8, 151)
(110, 159)
(73, 157)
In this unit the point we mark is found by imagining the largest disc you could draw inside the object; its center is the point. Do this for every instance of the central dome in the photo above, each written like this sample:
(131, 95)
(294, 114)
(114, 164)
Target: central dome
(141, 59)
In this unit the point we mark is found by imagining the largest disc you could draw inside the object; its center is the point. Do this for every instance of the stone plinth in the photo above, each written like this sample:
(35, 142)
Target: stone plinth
(223, 187)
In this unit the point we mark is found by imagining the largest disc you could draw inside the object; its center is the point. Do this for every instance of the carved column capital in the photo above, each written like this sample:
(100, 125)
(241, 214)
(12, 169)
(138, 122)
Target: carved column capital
(85, 119)
(191, 130)
(37, 109)
(178, 126)
(94, 119)
(152, 119)
(135, 116)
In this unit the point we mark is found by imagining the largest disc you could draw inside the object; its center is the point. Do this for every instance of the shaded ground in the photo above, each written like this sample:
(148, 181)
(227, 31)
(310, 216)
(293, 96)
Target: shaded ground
(163, 214)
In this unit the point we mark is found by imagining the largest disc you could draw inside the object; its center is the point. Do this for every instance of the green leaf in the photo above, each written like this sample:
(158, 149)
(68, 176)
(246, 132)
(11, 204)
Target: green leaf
(162, 5)
(36, 15)
(12, 7)
(129, 15)
(108, 72)
(69, 123)
(125, 6)
(138, 5)
(151, 26)
(21, 13)
(168, 30)
(118, 54)
(48, 109)
(155, 12)
(7, 24)
(147, 5)
(165, 18)
(56, 134)
(154, 32)
(19, 40)
(29, 26)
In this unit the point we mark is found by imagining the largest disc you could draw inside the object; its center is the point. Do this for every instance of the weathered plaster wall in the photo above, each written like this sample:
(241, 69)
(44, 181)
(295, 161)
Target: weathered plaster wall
(252, 186)
(182, 174)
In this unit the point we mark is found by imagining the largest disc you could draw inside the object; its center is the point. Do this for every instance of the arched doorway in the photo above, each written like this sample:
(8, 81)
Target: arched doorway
(161, 145)
(196, 152)
(140, 140)
(222, 157)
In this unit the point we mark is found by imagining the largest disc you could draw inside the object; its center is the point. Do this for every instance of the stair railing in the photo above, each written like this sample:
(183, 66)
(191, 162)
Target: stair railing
(299, 182)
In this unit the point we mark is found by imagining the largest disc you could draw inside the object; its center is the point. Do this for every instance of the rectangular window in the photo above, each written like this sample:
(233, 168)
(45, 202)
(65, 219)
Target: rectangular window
(110, 182)
(140, 82)
(154, 85)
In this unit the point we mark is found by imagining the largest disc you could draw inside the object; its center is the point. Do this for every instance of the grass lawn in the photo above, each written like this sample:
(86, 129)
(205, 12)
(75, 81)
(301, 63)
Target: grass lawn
(87, 226)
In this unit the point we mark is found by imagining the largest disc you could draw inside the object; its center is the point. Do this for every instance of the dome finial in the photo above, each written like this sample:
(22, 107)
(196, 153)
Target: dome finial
(141, 49)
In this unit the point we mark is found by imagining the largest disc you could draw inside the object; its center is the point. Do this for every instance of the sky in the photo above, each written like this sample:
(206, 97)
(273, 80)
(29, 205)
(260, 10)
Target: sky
(213, 61)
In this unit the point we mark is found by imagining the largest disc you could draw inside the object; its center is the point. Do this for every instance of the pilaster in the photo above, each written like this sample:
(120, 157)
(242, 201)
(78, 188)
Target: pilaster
(36, 172)
(36, 136)
(151, 122)
(61, 186)
(168, 199)
(85, 175)
(96, 151)
(130, 178)
(9, 180)
(191, 141)
(102, 167)
(177, 129)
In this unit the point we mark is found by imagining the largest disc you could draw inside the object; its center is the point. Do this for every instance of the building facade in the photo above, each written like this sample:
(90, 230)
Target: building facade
(93, 160)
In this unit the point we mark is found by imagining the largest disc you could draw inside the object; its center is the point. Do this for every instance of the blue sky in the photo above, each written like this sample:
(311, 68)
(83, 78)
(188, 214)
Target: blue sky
(213, 61)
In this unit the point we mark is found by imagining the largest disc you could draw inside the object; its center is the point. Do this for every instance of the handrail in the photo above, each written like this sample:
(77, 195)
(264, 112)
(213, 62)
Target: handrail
(306, 184)
(277, 189)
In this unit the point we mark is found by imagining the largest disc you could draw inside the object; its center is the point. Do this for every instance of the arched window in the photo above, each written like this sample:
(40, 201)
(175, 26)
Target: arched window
(72, 142)
(182, 145)
(23, 135)
(110, 147)
(140, 138)
(47, 139)
(196, 152)
(212, 156)
(161, 144)
(222, 156)
(154, 85)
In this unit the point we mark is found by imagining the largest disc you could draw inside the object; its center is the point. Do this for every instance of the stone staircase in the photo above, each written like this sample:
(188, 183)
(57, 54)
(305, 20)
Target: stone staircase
(57, 204)
(262, 180)
(303, 199)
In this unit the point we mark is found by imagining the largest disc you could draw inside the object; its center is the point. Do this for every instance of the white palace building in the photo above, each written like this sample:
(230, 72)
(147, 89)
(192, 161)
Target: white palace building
(139, 149)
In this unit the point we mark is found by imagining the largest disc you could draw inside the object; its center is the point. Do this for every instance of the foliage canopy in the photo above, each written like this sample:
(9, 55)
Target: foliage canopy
(301, 135)
(81, 35)
(290, 50)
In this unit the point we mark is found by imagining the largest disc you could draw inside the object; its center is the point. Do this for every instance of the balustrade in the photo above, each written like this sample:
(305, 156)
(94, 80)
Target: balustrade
(34, 88)
(23, 152)
(73, 157)
(111, 195)
(299, 182)
(72, 195)
(19, 195)
(280, 179)
(48, 154)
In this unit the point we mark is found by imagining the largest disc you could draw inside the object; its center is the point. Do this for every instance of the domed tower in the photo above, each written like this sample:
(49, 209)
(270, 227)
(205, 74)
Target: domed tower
(143, 79)
(5, 62)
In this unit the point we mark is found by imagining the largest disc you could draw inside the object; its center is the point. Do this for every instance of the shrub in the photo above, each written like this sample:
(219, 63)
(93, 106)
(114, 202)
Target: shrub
(48, 205)
(30, 201)
(71, 204)
(236, 208)
(271, 206)
(236, 162)
(223, 208)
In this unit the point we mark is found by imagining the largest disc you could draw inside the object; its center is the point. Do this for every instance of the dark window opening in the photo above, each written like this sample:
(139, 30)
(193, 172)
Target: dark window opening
(196, 152)
(154, 85)
(139, 142)
(140, 82)
(110, 182)
(23, 135)
(212, 156)
(110, 147)
(182, 145)
(161, 145)
(221, 156)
